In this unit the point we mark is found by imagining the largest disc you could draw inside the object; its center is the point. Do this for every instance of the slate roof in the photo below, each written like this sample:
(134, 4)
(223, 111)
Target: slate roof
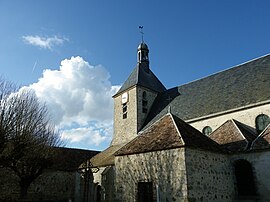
(69, 159)
(233, 136)
(142, 76)
(106, 157)
(167, 133)
(236, 87)
(263, 140)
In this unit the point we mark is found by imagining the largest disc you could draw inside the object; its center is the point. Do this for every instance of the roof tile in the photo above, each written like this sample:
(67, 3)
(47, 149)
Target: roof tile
(167, 133)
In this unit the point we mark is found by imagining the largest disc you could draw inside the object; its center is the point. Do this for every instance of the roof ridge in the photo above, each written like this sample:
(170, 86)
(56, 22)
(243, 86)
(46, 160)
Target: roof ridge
(174, 123)
(238, 129)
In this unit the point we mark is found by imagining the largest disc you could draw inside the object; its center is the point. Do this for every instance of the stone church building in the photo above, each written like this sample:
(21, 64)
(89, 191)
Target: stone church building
(207, 140)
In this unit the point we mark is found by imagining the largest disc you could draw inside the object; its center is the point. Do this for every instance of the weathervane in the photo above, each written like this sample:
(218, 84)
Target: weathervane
(141, 31)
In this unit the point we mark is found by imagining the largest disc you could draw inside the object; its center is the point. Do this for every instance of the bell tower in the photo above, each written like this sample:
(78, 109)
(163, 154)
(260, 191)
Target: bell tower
(133, 101)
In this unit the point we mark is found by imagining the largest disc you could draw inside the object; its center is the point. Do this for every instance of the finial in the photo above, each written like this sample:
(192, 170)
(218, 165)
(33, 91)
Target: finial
(141, 31)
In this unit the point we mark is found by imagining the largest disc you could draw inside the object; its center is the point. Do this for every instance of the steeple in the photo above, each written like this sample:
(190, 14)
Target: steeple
(143, 54)
(134, 99)
(141, 74)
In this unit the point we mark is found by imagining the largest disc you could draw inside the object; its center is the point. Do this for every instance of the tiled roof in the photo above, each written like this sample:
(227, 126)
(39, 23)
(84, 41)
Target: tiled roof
(233, 136)
(263, 140)
(69, 159)
(242, 85)
(167, 133)
(142, 76)
(106, 157)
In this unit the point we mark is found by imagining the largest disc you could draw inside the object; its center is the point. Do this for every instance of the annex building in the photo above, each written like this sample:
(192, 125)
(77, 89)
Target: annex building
(208, 140)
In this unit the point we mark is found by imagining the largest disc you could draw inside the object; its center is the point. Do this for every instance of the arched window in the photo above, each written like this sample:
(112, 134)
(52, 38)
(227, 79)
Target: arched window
(244, 179)
(207, 130)
(144, 102)
(144, 95)
(261, 122)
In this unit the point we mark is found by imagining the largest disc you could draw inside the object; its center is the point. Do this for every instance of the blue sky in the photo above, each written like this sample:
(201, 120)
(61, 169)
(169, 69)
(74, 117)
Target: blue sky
(95, 44)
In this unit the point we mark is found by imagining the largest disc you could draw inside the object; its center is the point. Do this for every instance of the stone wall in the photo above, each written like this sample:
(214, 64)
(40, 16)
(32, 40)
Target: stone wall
(209, 176)
(105, 178)
(246, 116)
(126, 129)
(165, 169)
(260, 162)
(50, 186)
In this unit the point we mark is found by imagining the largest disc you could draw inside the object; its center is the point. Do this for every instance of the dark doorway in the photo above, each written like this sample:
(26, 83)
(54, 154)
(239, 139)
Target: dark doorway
(245, 179)
(98, 193)
(145, 192)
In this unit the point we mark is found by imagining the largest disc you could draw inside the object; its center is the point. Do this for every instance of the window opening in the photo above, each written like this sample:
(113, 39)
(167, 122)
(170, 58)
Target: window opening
(143, 56)
(207, 130)
(145, 192)
(144, 103)
(124, 107)
(261, 122)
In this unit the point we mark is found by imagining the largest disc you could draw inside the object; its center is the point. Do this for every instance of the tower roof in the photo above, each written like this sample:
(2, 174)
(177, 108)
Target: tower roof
(141, 74)
(142, 46)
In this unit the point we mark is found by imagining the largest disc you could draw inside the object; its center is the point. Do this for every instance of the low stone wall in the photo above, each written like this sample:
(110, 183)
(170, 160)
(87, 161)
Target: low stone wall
(50, 186)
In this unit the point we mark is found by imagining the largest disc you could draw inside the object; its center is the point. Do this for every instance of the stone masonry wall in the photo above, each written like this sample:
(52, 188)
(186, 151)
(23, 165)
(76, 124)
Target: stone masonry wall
(125, 129)
(166, 169)
(209, 176)
(105, 178)
(260, 162)
(246, 116)
(57, 186)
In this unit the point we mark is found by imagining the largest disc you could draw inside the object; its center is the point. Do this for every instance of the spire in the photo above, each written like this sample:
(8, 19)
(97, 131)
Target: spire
(141, 31)
(143, 51)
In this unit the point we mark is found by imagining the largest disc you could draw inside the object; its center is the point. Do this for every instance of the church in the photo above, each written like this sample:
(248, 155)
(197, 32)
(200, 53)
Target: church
(207, 140)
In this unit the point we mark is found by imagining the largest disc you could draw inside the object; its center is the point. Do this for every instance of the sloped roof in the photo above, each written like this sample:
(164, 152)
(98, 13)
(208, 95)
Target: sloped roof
(233, 136)
(142, 76)
(167, 133)
(106, 157)
(242, 85)
(263, 140)
(69, 159)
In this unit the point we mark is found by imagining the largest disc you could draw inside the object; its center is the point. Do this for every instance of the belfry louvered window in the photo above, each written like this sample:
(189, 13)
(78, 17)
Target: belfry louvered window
(124, 107)
(144, 102)
(261, 122)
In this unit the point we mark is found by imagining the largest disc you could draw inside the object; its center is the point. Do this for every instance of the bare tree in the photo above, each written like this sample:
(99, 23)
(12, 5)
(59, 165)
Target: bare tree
(26, 136)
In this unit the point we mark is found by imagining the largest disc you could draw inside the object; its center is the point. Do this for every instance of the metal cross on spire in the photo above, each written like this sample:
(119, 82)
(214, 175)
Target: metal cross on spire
(141, 31)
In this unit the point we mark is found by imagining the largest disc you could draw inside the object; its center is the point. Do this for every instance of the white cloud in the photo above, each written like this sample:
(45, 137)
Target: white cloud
(79, 97)
(87, 135)
(44, 42)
